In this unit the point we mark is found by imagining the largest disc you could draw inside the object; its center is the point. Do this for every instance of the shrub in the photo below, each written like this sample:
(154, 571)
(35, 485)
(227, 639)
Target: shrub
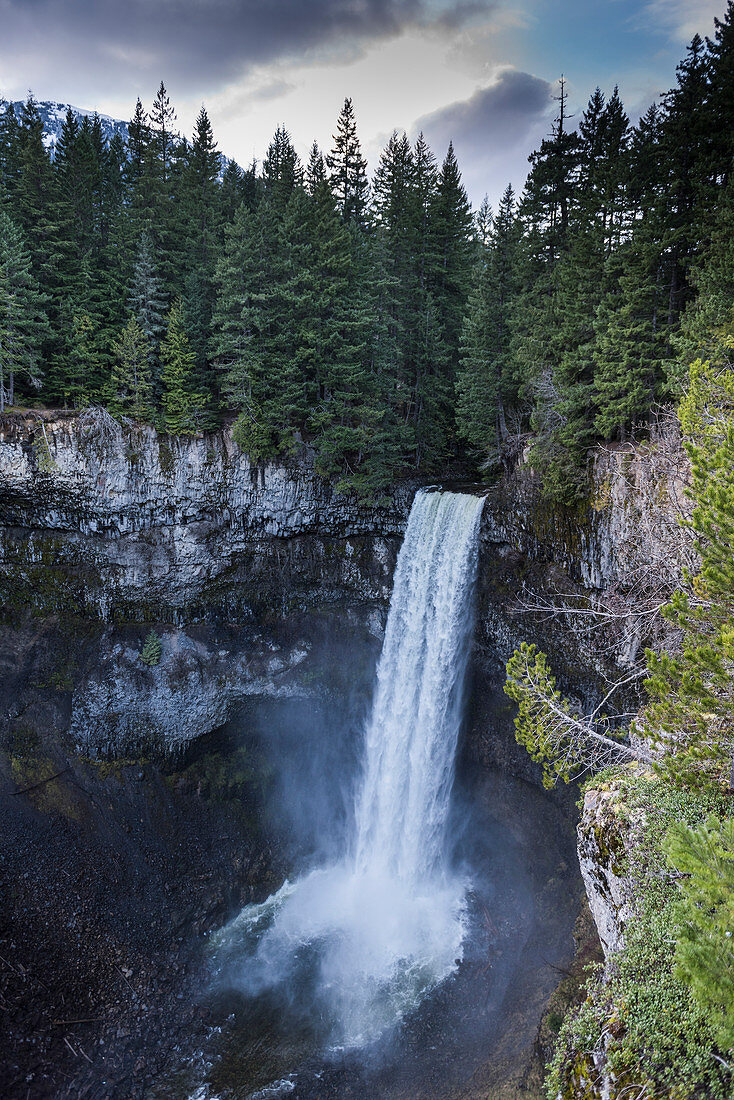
(152, 649)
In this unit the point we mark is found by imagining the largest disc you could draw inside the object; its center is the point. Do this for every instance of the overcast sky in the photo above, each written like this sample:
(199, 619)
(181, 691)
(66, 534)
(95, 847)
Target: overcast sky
(482, 72)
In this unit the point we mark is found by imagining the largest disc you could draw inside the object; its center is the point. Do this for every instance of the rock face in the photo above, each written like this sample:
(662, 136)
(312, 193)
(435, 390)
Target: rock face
(139, 524)
(603, 844)
(117, 525)
(113, 525)
(265, 581)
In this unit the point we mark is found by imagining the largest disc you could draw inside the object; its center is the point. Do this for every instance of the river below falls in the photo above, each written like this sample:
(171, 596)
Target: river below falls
(472, 1033)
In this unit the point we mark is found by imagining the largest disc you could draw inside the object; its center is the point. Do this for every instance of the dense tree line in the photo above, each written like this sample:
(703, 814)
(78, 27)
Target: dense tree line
(152, 278)
(606, 275)
(377, 320)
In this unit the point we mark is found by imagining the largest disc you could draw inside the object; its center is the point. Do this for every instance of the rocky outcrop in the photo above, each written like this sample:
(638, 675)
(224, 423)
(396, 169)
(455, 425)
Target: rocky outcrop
(605, 838)
(123, 705)
(120, 522)
(115, 524)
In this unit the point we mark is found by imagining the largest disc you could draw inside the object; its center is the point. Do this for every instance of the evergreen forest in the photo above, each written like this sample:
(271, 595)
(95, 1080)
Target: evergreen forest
(378, 320)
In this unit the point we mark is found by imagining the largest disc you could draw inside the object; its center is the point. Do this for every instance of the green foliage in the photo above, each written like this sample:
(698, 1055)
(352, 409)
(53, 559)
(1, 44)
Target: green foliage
(377, 325)
(659, 1040)
(152, 649)
(691, 713)
(552, 730)
(485, 386)
(182, 405)
(129, 391)
(348, 169)
(705, 914)
(23, 323)
(147, 300)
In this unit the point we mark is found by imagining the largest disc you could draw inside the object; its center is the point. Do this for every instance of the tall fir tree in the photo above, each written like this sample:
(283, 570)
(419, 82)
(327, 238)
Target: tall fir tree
(147, 303)
(486, 394)
(129, 390)
(23, 323)
(182, 406)
(348, 169)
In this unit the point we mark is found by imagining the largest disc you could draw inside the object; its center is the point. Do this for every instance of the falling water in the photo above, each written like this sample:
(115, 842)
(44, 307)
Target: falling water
(411, 737)
(364, 939)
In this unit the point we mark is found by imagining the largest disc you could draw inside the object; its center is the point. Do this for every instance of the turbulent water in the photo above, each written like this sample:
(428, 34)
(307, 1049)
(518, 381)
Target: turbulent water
(357, 944)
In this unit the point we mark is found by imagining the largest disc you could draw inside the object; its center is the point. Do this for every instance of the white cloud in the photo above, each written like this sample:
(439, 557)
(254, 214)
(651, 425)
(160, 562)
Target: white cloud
(684, 18)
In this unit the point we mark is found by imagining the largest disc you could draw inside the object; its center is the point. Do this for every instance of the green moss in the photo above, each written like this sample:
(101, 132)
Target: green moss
(113, 768)
(166, 457)
(43, 458)
(42, 574)
(601, 496)
(55, 796)
(22, 741)
(61, 675)
(660, 1042)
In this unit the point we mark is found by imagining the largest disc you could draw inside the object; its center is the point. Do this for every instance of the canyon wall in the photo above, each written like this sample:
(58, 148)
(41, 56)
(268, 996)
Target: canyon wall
(252, 575)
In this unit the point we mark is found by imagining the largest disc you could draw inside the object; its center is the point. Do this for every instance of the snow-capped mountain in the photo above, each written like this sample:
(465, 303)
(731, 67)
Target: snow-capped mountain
(53, 115)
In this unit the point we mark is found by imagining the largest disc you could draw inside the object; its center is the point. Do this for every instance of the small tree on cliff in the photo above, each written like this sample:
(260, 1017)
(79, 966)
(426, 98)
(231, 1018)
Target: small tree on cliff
(690, 716)
(182, 405)
(705, 946)
(556, 734)
(130, 386)
(691, 712)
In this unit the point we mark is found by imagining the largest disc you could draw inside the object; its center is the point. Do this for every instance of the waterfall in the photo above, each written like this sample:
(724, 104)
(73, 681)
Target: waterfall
(411, 736)
(364, 939)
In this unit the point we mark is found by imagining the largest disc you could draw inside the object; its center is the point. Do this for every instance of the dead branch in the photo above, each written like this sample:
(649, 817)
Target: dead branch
(41, 782)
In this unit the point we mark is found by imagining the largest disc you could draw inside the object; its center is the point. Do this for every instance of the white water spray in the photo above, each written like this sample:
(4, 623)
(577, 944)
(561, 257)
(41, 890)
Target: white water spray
(368, 936)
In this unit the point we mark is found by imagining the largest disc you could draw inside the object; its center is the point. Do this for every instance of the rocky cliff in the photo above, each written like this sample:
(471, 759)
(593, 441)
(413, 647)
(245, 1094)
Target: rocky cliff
(265, 583)
(120, 522)
(251, 573)
(245, 571)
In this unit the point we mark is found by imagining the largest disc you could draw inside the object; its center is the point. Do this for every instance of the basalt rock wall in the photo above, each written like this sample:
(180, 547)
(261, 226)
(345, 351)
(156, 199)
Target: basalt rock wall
(254, 576)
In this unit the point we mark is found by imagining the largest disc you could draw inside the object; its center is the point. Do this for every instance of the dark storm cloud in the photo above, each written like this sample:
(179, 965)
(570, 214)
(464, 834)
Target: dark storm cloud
(493, 116)
(493, 131)
(208, 41)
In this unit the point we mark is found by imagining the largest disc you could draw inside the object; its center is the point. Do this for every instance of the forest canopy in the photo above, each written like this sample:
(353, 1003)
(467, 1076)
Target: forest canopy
(378, 320)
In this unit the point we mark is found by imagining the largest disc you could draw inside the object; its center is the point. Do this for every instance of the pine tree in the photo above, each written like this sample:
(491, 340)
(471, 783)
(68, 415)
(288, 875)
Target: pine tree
(348, 169)
(548, 215)
(147, 302)
(162, 118)
(704, 949)
(242, 278)
(691, 710)
(397, 218)
(9, 160)
(34, 185)
(201, 227)
(138, 141)
(182, 406)
(129, 390)
(713, 280)
(282, 172)
(452, 233)
(632, 332)
(23, 323)
(340, 334)
(633, 339)
(238, 187)
(718, 124)
(81, 380)
(152, 650)
(202, 194)
(485, 390)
